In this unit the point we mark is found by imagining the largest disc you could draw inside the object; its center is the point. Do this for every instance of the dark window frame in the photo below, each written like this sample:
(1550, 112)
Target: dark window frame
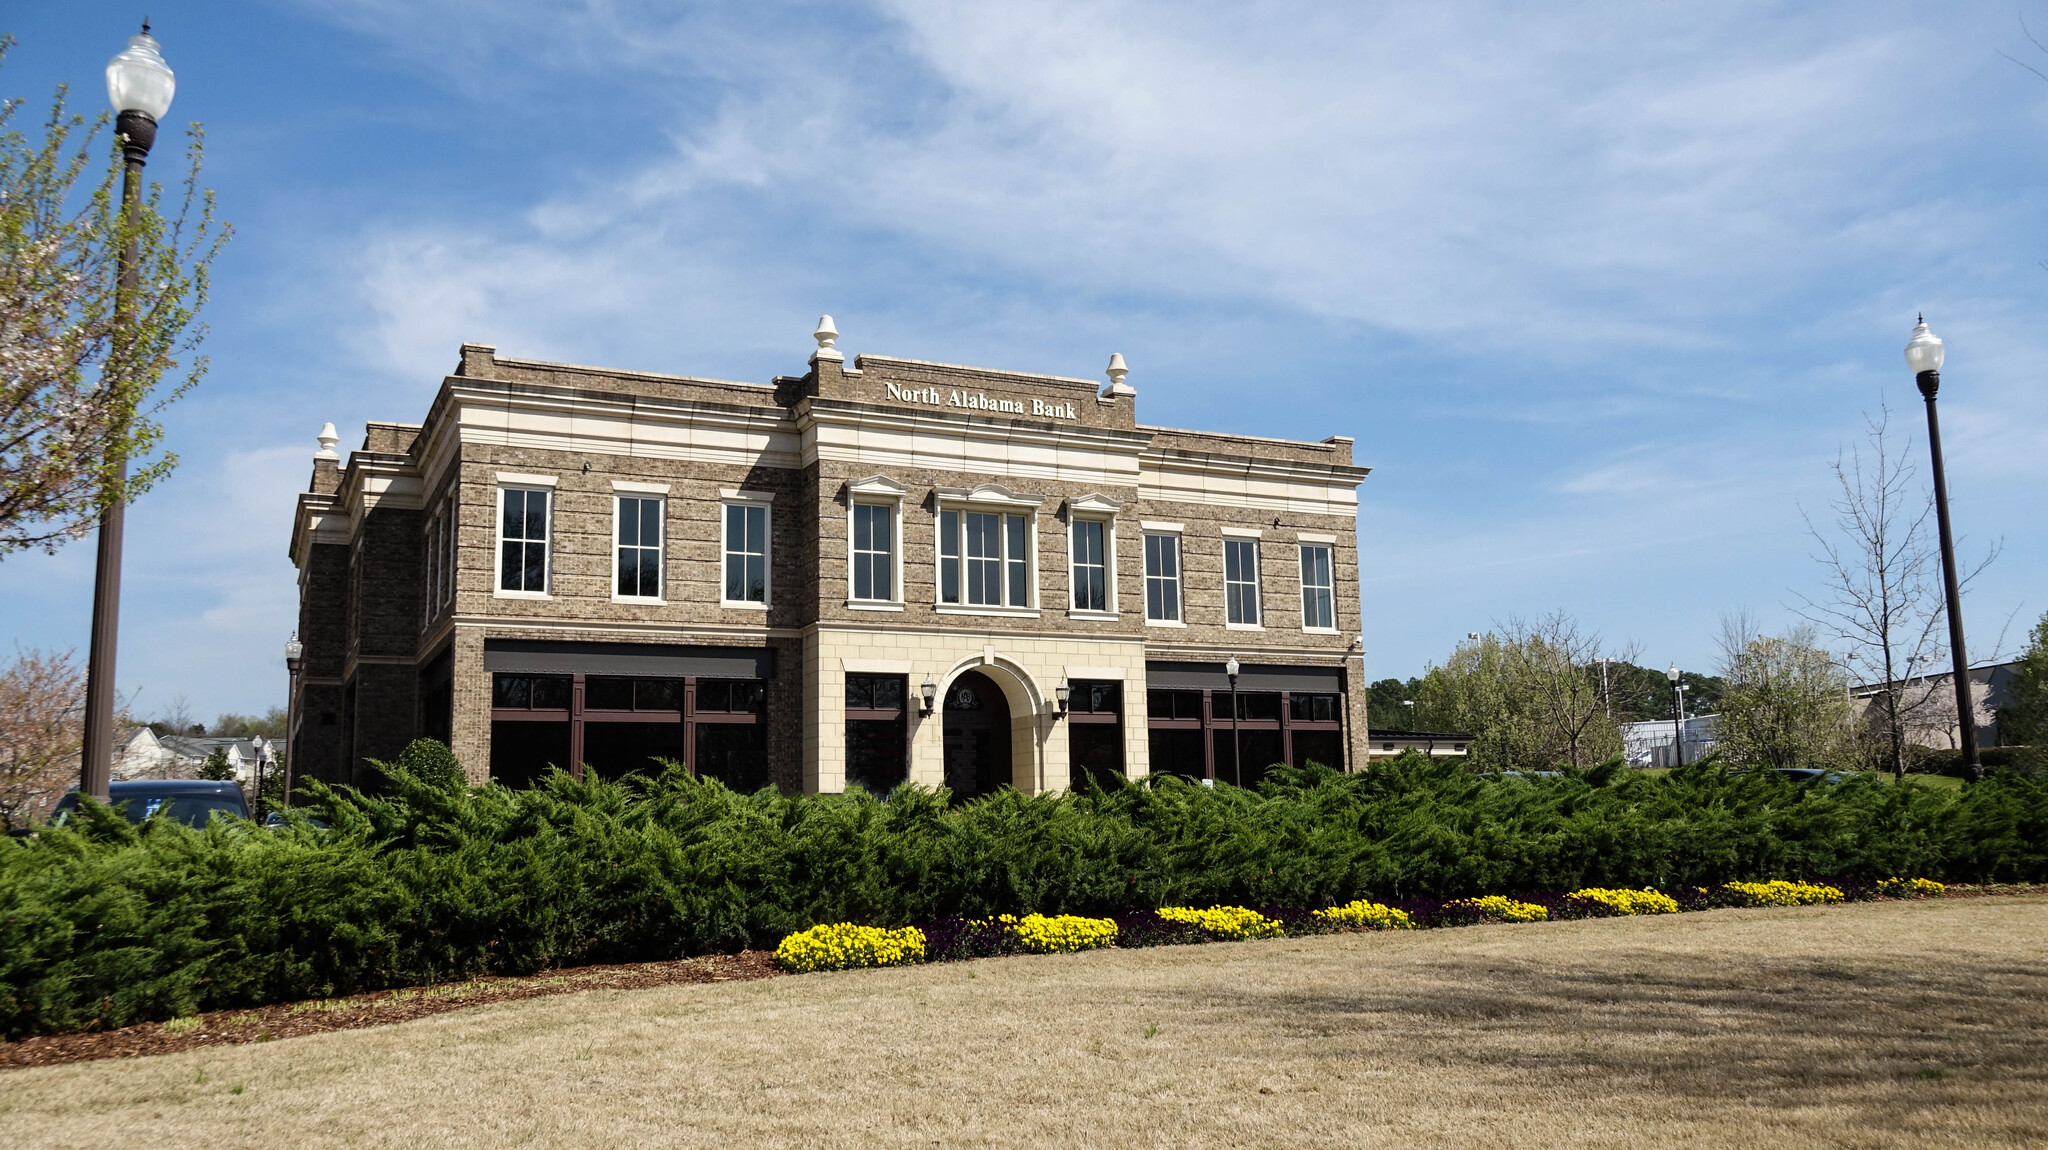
(577, 714)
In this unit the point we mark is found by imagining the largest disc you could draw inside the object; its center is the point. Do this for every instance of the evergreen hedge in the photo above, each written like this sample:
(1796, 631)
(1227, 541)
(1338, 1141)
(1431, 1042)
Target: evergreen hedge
(103, 923)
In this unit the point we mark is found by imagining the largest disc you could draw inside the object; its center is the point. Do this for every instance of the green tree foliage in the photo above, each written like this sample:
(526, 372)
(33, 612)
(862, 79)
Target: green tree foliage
(83, 362)
(1643, 694)
(1787, 703)
(2023, 720)
(1384, 709)
(103, 923)
(270, 725)
(216, 767)
(1530, 696)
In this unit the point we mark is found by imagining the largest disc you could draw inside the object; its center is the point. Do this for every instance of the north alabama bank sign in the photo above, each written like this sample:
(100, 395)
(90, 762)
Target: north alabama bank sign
(977, 401)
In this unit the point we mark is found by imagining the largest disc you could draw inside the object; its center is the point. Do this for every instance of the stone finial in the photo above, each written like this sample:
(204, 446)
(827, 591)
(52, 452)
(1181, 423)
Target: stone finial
(1117, 371)
(827, 336)
(327, 439)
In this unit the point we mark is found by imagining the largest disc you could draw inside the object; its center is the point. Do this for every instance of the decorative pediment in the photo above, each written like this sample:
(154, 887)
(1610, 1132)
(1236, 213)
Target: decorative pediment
(988, 493)
(1093, 504)
(877, 485)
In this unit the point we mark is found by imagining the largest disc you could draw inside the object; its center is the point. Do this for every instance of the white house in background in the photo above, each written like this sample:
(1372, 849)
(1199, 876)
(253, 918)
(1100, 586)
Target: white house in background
(1651, 744)
(143, 754)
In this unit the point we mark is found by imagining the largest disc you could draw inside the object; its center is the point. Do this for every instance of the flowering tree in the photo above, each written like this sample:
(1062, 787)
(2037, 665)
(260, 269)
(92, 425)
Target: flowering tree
(42, 705)
(85, 365)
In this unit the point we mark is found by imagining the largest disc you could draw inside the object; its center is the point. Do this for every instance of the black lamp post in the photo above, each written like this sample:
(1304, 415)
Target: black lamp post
(294, 658)
(1924, 353)
(139, 86)
(1236, 744)
(1677, 716)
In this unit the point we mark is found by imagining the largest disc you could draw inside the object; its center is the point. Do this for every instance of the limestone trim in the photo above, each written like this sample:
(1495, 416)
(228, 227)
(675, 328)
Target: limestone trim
(1242, 532)
(520, 479)
(1315, 537)
(635, 487)
(1100, 673)
(742, 495)
(1161, 527)
(876, 666)
(868, 436)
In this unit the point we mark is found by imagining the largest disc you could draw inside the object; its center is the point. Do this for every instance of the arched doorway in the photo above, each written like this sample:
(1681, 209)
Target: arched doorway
(977, 736)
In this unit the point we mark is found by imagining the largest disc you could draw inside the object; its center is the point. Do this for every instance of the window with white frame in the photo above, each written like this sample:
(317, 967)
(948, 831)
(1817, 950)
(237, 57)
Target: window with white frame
(1318, 594)
(1162, 578)
(637, 546)
(1241, 581)
(437, 563)
(984, 558)
(746, 553)
(523, 539)
(874, 551)
(1090, 564)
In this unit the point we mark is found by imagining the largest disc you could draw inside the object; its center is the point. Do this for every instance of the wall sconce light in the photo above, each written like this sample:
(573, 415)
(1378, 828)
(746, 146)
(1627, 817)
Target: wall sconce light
(930, 692)
(1063, 693)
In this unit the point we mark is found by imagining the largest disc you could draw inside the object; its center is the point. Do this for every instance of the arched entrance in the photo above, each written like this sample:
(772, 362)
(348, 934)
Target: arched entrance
(977, 736)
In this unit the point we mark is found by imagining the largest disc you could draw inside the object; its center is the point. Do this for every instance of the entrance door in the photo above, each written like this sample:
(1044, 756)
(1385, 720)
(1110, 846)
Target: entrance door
(977, 736)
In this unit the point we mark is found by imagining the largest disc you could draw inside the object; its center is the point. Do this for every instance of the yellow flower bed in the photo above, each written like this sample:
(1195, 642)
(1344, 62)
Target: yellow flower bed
(1628, 901)
(1366, 913)
(1779, 892)
(1910, 887)
(1225, 922)
(1063, 933)
(844, 946)
(1502, 908)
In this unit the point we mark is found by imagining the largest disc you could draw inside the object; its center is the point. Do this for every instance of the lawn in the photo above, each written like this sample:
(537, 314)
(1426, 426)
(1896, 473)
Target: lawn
(1868, 1025)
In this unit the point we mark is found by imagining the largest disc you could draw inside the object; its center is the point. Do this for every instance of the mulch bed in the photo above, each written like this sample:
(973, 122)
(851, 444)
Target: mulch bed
(291, 1019)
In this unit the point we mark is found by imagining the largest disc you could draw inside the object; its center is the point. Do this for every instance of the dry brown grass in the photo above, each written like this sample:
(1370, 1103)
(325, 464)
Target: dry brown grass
(1887, 1024)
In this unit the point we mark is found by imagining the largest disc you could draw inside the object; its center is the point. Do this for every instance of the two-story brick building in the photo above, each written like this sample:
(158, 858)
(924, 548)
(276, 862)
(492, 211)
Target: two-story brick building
(889, 570)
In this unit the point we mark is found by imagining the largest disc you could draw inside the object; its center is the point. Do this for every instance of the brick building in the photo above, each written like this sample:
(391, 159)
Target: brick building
(885, 570)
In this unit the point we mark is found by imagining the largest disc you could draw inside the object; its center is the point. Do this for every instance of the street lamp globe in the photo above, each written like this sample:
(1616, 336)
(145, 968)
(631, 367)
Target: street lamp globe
(138, 80)
(1230, 668)
(1672, 674)
(293, 651)
(1924, 351)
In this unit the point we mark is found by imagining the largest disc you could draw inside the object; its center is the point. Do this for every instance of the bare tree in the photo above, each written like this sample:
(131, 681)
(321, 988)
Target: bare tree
(1883, 599)
(42, 708)
(1558, 665)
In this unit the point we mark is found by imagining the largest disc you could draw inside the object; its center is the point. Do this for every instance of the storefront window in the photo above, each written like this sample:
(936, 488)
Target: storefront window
(618, 725)
(1095, 735)
(876, 746)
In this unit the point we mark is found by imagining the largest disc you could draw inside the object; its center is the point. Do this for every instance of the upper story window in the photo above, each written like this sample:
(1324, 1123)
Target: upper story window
(984, 559)
(637, 546)
(523, 540)
(988, 548)
(746, 553)
(1318, 593)
(874, 551)
(1162, 578)
(440, 553)
(1241, 581)
(1090, 565)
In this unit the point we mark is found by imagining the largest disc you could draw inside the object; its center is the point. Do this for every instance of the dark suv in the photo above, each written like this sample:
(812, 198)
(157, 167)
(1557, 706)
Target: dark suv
(189, 801)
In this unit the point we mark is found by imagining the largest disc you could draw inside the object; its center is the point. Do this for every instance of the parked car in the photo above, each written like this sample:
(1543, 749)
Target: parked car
(1811, 774)
(275, 821)
(189, 801)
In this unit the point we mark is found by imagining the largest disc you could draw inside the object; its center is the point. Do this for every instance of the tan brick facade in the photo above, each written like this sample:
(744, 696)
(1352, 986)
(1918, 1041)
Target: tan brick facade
(407, 617)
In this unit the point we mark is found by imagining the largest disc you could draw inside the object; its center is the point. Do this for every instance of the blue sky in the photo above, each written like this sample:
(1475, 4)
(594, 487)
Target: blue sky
(1599, 289)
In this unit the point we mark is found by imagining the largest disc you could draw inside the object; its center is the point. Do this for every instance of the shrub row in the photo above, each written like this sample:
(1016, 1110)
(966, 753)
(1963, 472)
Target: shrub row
(103, 924)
